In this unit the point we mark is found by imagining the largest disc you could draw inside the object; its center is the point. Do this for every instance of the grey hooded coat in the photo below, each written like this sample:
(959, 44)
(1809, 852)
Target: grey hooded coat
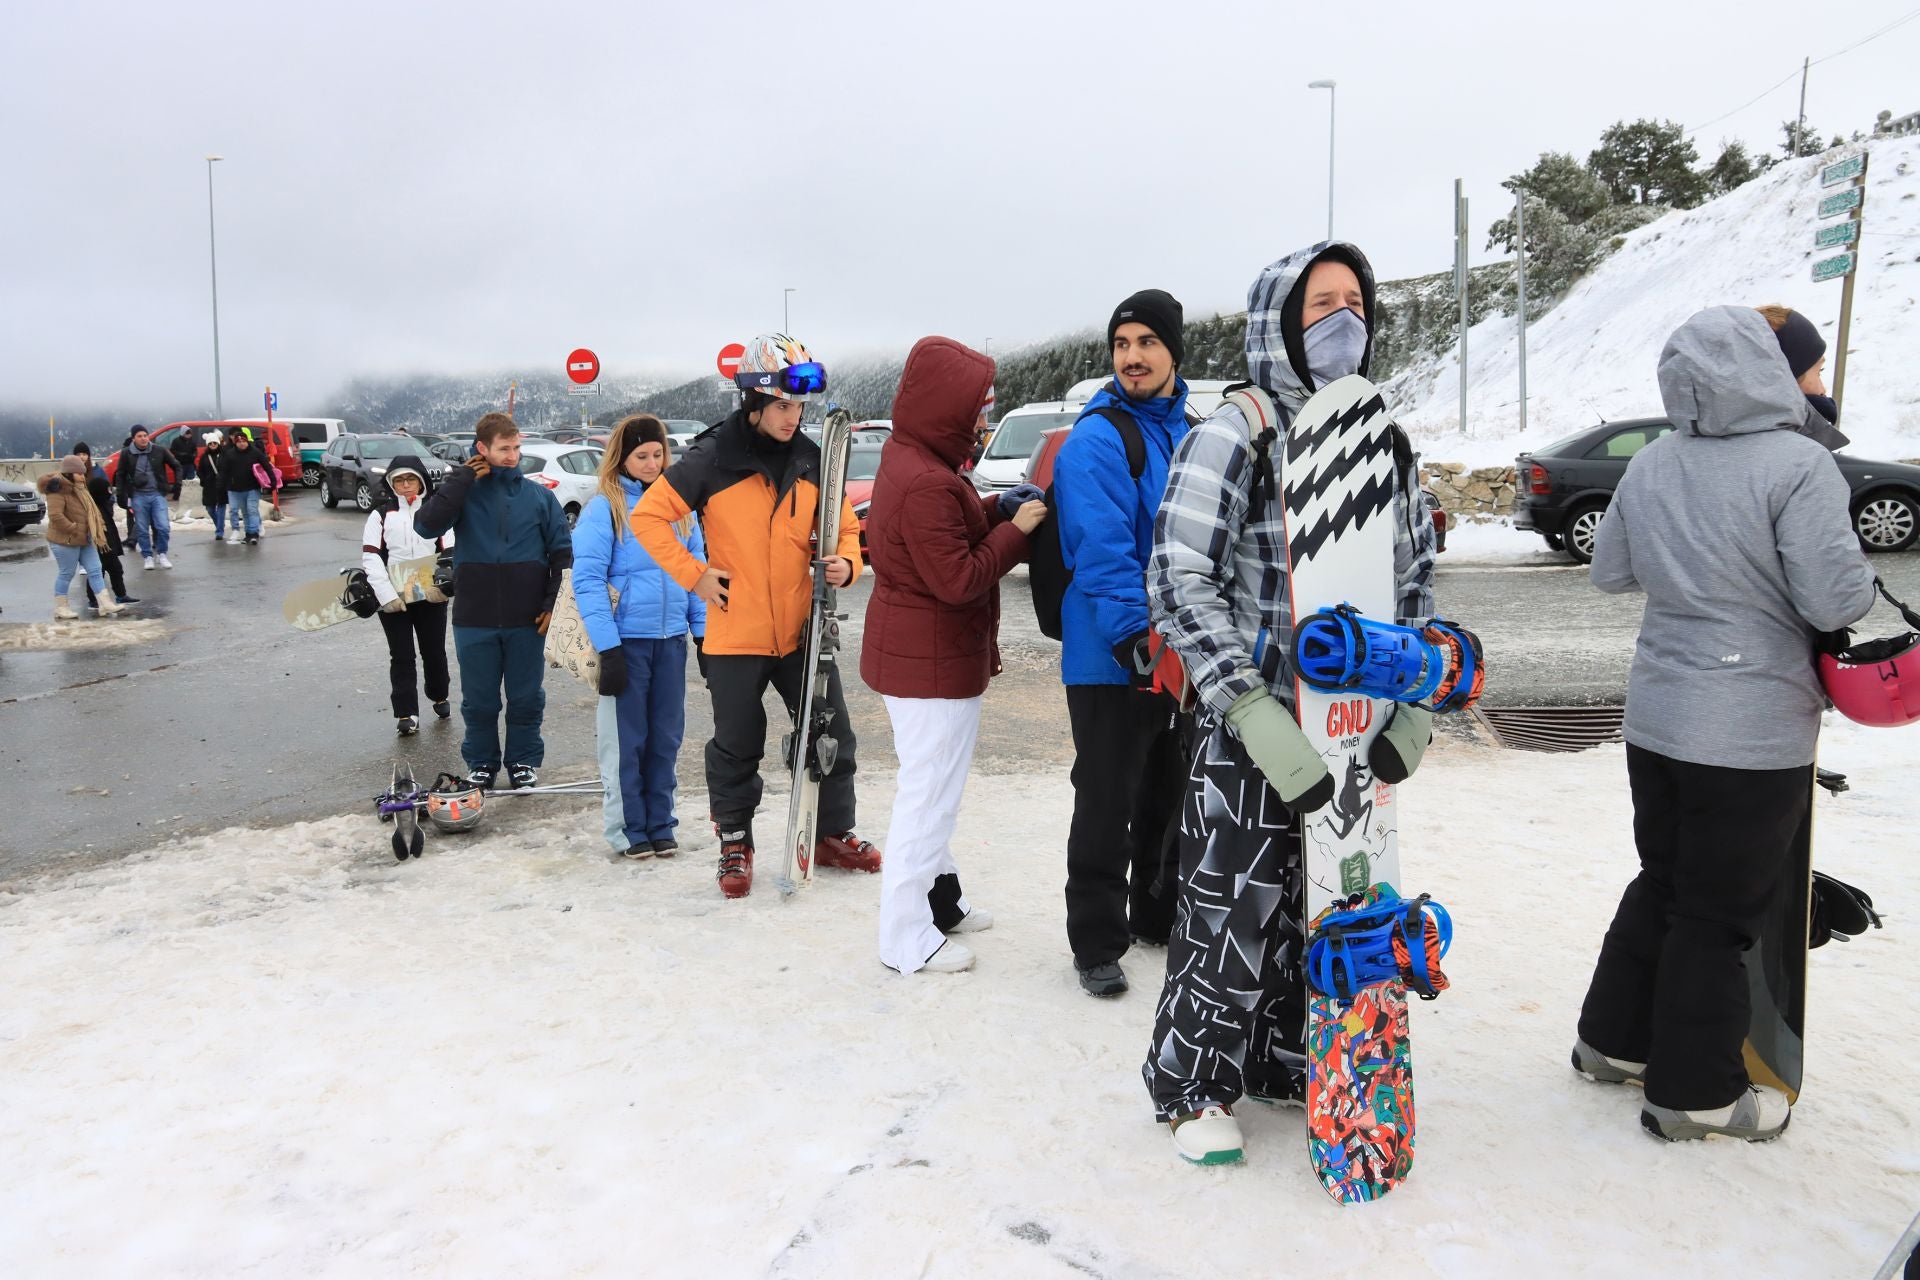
(1736, 526)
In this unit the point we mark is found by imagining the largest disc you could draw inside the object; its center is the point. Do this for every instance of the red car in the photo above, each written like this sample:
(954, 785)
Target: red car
(863, 464)
(277, 439)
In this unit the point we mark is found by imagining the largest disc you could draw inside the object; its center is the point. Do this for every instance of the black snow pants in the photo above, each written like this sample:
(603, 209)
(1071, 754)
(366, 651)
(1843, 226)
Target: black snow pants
(422, 626)
(738, 683)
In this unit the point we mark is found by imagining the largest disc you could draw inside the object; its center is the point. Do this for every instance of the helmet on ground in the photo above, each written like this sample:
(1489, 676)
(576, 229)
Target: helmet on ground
(454, 804)
(1876, 682)
(775, 365)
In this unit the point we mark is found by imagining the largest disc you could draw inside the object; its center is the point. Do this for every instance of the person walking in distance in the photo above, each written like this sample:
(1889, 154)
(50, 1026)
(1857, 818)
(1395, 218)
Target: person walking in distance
(512, 547)
(213, 487)
(75, 533)
(186, 443)
(143, 476)
(1128, 742)
(638, 620)
(754, 481)
(245, 469)
(411, 625)
(938, 552)
(100, 489)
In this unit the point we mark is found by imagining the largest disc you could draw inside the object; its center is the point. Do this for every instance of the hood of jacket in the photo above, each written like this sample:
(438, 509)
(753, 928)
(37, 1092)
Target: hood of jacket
(1276, 351)
(1722, 374)
(941, 390)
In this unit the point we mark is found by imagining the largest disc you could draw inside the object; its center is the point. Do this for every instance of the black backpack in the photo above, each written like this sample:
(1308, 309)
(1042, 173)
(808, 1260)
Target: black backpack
(1047, 572)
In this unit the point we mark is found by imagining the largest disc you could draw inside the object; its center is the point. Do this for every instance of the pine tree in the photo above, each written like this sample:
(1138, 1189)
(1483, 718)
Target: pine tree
(1733, 167)
(1647, 162)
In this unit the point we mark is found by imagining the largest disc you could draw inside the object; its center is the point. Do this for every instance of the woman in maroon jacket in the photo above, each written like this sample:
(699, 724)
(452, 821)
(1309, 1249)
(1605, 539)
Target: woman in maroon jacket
(938, 551)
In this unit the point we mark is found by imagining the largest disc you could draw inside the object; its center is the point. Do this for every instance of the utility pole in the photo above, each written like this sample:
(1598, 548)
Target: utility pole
(1460, 286)
(1800, 121)
(213, 271)
(1520, 284)
(785, 323)
(1332, 93)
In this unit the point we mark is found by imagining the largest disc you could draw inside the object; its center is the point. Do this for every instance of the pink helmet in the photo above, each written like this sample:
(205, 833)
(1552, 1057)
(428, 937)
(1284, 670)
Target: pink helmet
(1877, 682)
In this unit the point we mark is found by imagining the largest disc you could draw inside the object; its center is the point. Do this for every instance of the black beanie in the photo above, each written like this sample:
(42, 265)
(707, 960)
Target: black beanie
(1800, 342)
(1161, 312)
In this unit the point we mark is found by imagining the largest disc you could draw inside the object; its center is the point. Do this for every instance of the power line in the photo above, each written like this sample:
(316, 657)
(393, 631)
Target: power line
(1866, 39)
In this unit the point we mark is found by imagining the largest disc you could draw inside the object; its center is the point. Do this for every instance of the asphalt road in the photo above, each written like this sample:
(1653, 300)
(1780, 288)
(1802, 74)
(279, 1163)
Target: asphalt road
(229, 717)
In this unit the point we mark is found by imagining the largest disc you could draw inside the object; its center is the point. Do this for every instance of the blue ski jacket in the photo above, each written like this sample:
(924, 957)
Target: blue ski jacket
(652, 605)
(1106, 528)
(510, 548)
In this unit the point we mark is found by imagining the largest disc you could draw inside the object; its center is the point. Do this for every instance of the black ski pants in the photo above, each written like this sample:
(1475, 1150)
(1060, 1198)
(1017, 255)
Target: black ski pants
(1670, 988)
(1129, 769)
(1232, 1017)
(424, 626)
(738, 684)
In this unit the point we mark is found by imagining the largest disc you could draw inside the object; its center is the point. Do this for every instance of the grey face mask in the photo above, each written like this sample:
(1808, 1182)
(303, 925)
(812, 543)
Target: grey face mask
(1335, 345)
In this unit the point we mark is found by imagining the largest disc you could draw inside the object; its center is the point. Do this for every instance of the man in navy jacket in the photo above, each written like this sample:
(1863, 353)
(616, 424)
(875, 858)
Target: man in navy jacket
(511, 544)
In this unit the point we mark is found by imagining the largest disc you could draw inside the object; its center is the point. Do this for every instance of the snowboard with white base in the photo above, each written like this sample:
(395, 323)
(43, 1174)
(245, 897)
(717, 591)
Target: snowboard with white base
(315, 606)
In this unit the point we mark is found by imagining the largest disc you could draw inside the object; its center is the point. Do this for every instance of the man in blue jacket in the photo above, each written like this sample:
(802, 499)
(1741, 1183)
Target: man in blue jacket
(511, 545)
(1129, 763)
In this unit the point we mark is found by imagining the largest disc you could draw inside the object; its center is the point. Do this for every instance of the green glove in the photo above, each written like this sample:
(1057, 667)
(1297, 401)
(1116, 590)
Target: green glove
(1397, 751)
(1273, 738)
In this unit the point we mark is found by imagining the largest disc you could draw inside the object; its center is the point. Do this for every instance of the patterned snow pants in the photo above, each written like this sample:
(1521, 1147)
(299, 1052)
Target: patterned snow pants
(1232, 1016)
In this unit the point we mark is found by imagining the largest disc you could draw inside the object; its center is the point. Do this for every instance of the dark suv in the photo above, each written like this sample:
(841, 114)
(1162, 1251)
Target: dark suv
(1563, 490)
(354, 468)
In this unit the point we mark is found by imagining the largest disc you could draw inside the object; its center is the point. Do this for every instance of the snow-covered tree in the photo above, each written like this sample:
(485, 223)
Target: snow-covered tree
(1647, 162)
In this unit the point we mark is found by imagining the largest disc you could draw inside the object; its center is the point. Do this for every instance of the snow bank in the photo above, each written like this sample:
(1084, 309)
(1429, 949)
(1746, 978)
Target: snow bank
(1496, 542)
(278, 1053)
(1594, 355)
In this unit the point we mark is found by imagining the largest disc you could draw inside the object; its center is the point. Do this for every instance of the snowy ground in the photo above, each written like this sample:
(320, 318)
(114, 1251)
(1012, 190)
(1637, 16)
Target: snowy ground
(277, 1053)
(1496, 542)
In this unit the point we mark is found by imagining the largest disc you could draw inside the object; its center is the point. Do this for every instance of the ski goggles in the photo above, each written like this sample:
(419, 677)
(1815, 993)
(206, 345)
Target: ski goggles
(809, 379)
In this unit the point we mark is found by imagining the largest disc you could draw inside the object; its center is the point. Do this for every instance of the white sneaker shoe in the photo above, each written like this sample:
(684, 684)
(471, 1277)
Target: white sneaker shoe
(952, 957)
(164, 562)
(1211, 1136)
(233, 537)
(146, 562)
(974, 921)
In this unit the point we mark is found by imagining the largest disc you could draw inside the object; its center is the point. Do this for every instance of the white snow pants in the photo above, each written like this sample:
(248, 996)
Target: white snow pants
(934, 739)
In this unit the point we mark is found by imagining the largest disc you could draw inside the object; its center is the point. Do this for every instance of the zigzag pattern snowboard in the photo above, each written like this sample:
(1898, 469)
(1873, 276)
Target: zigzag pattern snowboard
(1337, 486)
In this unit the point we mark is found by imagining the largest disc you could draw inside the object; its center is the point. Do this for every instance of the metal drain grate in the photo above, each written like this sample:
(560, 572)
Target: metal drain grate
(1552, 728)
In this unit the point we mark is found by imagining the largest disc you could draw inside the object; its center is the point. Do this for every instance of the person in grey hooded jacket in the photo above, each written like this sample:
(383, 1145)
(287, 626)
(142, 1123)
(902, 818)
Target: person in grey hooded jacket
(1735, 525)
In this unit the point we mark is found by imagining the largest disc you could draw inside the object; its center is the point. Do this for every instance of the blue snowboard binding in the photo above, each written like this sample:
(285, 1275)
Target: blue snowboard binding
(1377, 937)
(1339, 650)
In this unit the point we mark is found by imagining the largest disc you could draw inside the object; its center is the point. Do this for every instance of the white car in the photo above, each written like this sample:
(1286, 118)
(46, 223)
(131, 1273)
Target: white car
(572, 471)
(1204, 395)
(1004, 464)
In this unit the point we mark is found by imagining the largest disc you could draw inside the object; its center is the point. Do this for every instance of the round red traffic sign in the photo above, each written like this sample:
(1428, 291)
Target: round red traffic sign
(583, 366)
(729, 361)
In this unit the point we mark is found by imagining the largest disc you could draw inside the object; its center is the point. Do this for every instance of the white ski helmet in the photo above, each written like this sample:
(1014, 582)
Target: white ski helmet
(776, 365)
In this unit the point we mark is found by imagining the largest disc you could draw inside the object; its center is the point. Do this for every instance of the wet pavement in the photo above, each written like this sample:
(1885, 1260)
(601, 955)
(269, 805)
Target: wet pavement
(230, 717)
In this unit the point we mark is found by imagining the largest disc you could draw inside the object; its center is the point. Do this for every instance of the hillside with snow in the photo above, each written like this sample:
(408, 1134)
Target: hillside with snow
(1594, 355)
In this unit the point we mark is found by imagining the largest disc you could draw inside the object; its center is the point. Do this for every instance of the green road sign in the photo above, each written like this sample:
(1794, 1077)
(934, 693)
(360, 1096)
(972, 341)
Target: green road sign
(1843, 171)
(1842, 201)
(1833, 268)
(1839, 233)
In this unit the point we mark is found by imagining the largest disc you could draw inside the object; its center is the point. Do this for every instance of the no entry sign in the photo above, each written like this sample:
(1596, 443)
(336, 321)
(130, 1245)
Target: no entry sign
(729, 359)
(583, 366)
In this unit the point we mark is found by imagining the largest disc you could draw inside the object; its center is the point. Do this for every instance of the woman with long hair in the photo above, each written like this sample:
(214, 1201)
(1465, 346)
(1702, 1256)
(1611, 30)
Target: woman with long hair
(638, 619)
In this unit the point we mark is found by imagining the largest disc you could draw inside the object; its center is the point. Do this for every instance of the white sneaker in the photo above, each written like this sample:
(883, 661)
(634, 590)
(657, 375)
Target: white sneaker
(146, 562)
(1211, 1136)
(952, 957)
(164, 562)
(974, 921)
(233, 537)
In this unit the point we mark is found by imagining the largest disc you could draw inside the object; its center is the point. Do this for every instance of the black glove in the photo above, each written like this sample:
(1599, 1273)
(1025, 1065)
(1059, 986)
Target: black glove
(1011, 500)
(613, 673)
(700, 655)
(1132, 654)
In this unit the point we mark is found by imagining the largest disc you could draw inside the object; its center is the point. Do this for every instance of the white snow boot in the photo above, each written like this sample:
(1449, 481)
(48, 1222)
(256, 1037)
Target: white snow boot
(108, 606)
(952, 957)
(63, 610)
(1756, 1116)
(1595, 1065)
(1211, 1136)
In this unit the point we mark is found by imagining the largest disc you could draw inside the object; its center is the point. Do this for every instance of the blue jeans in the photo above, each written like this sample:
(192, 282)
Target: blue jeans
(245, 502)
(219, 514)
(152, 530)
(491, 657)
(639, 733)
(69, 560)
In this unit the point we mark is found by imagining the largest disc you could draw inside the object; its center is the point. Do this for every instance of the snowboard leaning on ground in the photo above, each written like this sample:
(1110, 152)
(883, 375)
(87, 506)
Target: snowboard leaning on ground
(315, 606)
(1775, 1047)
(1337, 483)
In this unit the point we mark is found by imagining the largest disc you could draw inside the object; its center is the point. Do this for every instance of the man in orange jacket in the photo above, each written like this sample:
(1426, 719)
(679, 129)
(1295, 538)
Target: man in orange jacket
(754, 480)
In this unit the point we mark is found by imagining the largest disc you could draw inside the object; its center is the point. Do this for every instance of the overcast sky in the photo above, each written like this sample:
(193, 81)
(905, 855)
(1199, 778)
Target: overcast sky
(479, 186)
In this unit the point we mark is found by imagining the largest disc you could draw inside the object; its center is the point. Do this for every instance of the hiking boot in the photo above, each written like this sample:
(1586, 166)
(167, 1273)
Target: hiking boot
(1757, 1115)
(1208, 1136)
(846, 851)
(523, 775)
(481, 775)
(665, 847)
(1595, 1065)
(407, 726)
(1107, 979)
(736, 863)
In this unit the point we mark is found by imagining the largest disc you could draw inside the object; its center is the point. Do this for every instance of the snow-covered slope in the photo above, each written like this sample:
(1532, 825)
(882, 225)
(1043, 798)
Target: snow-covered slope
(1595, 354)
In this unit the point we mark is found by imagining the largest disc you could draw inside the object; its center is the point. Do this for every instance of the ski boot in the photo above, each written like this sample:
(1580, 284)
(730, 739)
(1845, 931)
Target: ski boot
(846, 851)
(736, 862)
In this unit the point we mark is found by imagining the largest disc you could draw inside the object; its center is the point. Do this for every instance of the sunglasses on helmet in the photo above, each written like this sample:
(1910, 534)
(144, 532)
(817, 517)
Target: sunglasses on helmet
(808, 379)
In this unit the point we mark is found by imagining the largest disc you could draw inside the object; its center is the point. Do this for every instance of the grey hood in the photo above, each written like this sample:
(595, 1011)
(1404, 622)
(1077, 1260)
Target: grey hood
(1722, 374)
(1276, 353)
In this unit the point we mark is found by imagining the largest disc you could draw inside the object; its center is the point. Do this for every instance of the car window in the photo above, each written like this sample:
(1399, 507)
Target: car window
(1018, 433)
(863, 464)
(309, 432)
(531, 463)
(1622, 445)
(394, 448)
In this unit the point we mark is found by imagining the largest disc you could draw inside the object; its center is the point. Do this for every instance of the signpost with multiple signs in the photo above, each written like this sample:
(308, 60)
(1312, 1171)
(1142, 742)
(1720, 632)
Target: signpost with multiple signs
(1842, 266)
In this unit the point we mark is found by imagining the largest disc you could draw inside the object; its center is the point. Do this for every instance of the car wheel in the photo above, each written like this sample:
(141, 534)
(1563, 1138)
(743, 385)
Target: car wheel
(573, 514)
(1583, 526)
(1887, 522)
(328, 498)
(363, 496)
(311, 475)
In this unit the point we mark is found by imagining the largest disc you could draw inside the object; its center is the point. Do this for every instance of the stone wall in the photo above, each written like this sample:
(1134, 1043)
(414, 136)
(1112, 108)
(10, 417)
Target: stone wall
(1484, 491)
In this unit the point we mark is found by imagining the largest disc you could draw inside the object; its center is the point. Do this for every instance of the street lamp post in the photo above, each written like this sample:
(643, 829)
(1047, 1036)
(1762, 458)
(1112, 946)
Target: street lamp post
(213, 268)
(1328, 85)
(786, 325)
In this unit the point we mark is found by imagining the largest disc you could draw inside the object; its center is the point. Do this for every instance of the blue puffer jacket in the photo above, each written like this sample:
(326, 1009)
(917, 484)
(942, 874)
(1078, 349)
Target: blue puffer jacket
(1106, 528)
(652, 605)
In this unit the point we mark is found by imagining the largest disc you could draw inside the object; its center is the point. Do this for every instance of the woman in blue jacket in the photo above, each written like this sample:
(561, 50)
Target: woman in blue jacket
(638, 619)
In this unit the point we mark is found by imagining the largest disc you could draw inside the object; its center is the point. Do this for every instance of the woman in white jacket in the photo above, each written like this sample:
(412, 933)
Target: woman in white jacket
(389, 540)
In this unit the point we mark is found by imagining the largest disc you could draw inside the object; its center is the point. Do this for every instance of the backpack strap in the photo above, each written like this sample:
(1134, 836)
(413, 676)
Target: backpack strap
(1130, 437)
(1263, 428)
